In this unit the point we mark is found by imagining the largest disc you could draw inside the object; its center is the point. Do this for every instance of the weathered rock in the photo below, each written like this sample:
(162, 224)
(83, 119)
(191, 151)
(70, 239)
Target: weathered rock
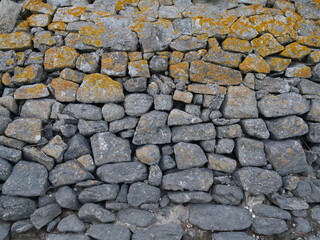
(308, 190)
(127, 172)
(40, 109)
(5, 169)
(179, 117)
(8, 59)
(229, 131)
(21, 226)
(270, 211)
(55, 148)
(15, 208)
(88, 128)
(194, 179)
(9, 14)
(83, 111)
(189, 197)
(224, 194)
(283, 104)
(36, 6)
(91, 212)
(189, 155)
(232, 235)
(170, 231)
(163, 102)
(88, 62)
(35, 155)
(314, 132)
(31, 91)
(289, 203)
(219, 217)
(141, 193)
(182, 96)
(266, 45)
(71, 223)
(137, 104)
(67, 198)
(222, 163)
(99, 193)
(109, 231)
(44, 215)
(255, 128)
(254, 63)
(269, 226)
(295, 51)
(250, 152)
(158, 64)
(286, 156)
(278, 64)
(114, 64)
(64, 91)
(4, 231)
(15, 41)
(236, 45)
(72, 75)
(60, 57)
(77, 147)
(272, 85)
(196, 132)
(187, 43)
(67, 237)
(139, 68)
(298, 70)
(10, 154)
(99, 88)
(138, 84)
(112, 112)
(243, 29)
(148, 154)
(309, 87)
(136, 217)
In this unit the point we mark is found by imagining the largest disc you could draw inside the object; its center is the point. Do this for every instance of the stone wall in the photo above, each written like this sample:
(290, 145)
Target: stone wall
(160, 119)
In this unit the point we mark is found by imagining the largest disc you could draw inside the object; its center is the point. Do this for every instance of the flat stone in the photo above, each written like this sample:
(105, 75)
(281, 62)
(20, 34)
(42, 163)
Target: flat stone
(68, 173)
(67, 198)
(60, 57)
(99, 88)
(109, 232)
(203, 72)
(194, 179)
(126, 123)
(91, 212)
(10, 154)
(171, 231)
(36, 6)
(83, 111)
(196, 132)
(10, 12)
(266, 45)
(137, 104)
(15, 41)
(287, 127)
(295, 51)
(219, 217)
(5, 169)
(269, 226)
(148, 154)
(141, 193)
(44, 215)
(88, 62)
(127, 172)
(283, 104)
(35, 155)
(152, 129)
(112, 112)
(64, 91)
(289, 203)
(71, 223)
(88, 128)
(286, 156)
(40, 109)
(250, 152)
(99, 193)
(254, 63)
(16, 208)
(243, 29)
(189, 197)
(158, 64)
(236, 45)
(179, 117)
(187, 43)
(229, 131)
(263, 210)
(228, 195)
(8, 60)
(67, 237)
(212, 89)
(21, 226)
(258, 181)
(108, 148)
(182, 96)
(68, 14)
(278, 64)
(114, 64)
(55, 148)
(222, 163)
(139, 68)
(138, 84)
(314, 132)
(309, 87)
(31, 92)
(272, 85)
(298, 70)
(232, 235)
(39, 20)
(72, 75)
(77, 147)
(136, 217)
(189, 155)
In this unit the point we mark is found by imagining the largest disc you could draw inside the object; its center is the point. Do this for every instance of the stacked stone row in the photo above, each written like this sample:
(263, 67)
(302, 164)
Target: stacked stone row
(160, 119)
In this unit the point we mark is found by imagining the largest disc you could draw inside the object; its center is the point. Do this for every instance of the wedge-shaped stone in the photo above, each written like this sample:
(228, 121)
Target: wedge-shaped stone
(278, 64)
(203, 72)
(236, 45)
(42, 216)
(219, 217)
(221, 163)
(295, 51)
(64, 91)
(8, 60)
(15, 41)
(254, 63)
(194, 179)
(113, 231)
(16, 208)
(31, 92)
(298, 70)
(37, 6)
(57, 58)
(99, 88)
(250, 152)
(187, 43)
(179, 117)
(266, 45)
(189, 155)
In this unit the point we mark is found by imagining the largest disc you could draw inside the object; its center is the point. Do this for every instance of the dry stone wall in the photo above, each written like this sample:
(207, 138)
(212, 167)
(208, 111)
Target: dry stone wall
(160, 119)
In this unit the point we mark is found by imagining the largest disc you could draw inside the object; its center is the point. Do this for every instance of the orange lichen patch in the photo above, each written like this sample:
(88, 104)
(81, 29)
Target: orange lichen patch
(283, 4)
(131, 2)
(72, 75)
(99, 88)
(266, 45)
(39, 20)
(299, 70)
(310, 41)
(285, 39)
(254, 63)
(7, 80)
(64, 91)
(139, 68)
(236, 45)
(243, 29)
(92, 35)
(31, 92)
(44, 38)
(194, 55)
(120, 5)
(278, 64)
(69, 14)
(261, 22)
(20, 58)
(57, 26)
(114, 64)
(135, 56)
(203, 72)
(176, 57)
(217, 55)
(179, 71)
(60, 57)
(22, 27)
(211, 89)
(314, 56)
(15, 41)
(29, 74)
(181, 96)
(37, 6)
(280, 27)
(295, 51)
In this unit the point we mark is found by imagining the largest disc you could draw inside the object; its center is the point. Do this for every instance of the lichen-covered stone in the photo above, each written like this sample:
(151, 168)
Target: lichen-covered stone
(57, 58)
(139, 68)
(88, 62)
(114, 64)
(254, 63)
(278, 64)
(203, 72)
(39, 20)
(29, 75)
(64, 91)
(15, 41)
(8, 60)
(69, 14)
(99, 88)
(188, 43)
(55, 148)
(44, 40)
(212, 89)
(295, 51)
(266, 45)
(37, 6)
(179, 71)
(148, 154)
(243, 29)
(31, 92)
(236, 45)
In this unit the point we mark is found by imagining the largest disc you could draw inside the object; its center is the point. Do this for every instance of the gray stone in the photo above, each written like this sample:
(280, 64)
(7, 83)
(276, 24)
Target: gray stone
(71, 223)
(44, 215)
(186, 43)
(109, 232)
(99, 193)
(123, 124)
(255, 128)
(314, 132)
(263, 210)
(179, 117)
(283, 104)
(315, 213)
(68, 173)
(10, 154)
(232, 236)
(35, 155)
(127, 172)
(229, 131)
(77, 147)
(67, 198)
(308, 190)
(112, 112)
(137, 104)
(289, 203)
(88, 128)
(170, 231)
(16, 208)
(155, 175)
(9, 13)
(148, 154)
(25, 129)
(138, 84)
(183, 25)
(55, 148)
(88, 62)
(165, 84)
(83, 111)
(67, 237)
(302, 225)
(208, 145)
(158, 64)
(31, 74)
(40, 109)
(189, 155)
(167, 162)
(219, 217)
(11, 142)
(189, 197)
(224, 146)
(4, 121)
(286, 156)
(21, 226)
(5, 169)
(4, 231)
(152, 129)
(7, 57)
(213, 102)
(136, 217)
(140, 193)
(307, 9)
(250, 152)
(196, 132)
(272, 85)
(91, 212)
(194, 179)
(240, 102)
(108, 148)
(27, 179)
(269, 226)
(228, 195)
(287, 127)
(221, 163)
(163, 102)
(114, 63)
(257, 180)
(314, 113)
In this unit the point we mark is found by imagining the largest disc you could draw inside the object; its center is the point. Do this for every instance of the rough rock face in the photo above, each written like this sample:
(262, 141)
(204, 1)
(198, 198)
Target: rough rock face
(159, 119)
